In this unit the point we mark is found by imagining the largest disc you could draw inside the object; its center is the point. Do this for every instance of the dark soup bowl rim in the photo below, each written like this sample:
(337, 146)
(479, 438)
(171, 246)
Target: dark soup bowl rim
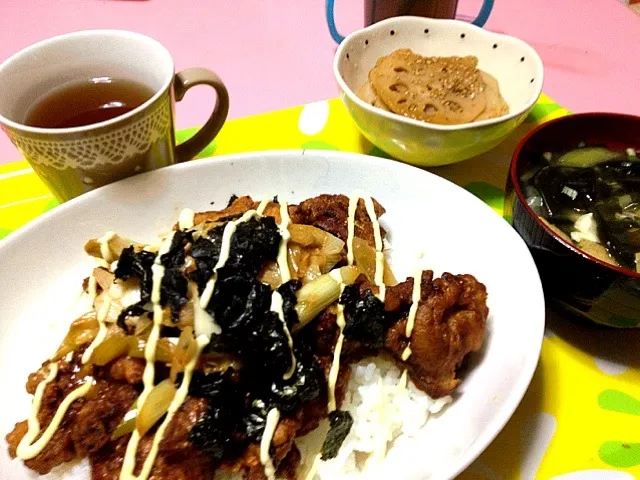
(515, 182)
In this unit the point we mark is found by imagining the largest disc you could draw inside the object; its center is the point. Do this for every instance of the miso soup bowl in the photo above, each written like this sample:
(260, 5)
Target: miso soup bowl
(572, 279)
(515, 65)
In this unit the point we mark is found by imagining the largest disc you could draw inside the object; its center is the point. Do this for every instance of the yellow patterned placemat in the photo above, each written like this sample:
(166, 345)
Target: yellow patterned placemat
(580, 418)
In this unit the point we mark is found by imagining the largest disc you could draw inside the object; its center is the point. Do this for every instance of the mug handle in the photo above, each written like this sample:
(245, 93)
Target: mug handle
(331, 22)
(480, 20)
(183, 81)
(483, 15)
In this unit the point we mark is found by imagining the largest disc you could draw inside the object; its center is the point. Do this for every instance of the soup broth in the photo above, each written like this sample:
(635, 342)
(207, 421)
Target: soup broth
(590, 196)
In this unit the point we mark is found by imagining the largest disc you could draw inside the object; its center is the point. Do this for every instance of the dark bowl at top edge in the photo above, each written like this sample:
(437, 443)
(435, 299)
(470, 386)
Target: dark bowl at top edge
(572, 279)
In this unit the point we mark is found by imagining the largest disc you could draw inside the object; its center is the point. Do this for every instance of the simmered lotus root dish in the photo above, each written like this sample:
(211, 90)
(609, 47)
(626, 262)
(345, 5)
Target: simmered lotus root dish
(441, 90)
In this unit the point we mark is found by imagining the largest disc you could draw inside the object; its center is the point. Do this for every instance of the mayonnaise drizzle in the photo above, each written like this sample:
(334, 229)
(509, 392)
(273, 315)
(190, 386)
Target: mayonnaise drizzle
(335, 364)
(402, 383)
(186, 219)
(406, 353)
(27, 448)
(92, 288)
(379, 280)
(157, 270)
(283, 260)
(148, 377)
(377, 235)
(273, 417)
(416, 293)
(203, 323)
(129, 462)
(276, 306)
(32, 422)
(351, 226)
(102, 327)
(92, 291)
(128, 465)
(311, 474)
(105, 249)
(225, 249)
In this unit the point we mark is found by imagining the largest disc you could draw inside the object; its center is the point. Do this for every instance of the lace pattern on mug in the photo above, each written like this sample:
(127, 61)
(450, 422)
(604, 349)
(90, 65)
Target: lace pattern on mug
(111, 148)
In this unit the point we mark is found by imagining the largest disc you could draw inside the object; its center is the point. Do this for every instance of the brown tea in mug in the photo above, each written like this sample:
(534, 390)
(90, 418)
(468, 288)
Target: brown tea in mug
(86, 102)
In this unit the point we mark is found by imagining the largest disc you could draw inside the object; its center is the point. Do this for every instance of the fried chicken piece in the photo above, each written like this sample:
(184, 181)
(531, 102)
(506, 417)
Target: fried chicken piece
(449, 324)
(177, 457)
(288, 468)
(322, 333)
(100, 416)
(327, 212)
(187, 463)
(400, 296)
(58, 451)
(235, 209)
(249, 465)
(107, 462)
(85, 428)
(128, 369)
(176, 436)
(331, 213)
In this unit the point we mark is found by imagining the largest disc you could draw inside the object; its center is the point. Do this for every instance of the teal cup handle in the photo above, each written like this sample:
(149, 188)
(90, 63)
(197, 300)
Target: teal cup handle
(481, 19)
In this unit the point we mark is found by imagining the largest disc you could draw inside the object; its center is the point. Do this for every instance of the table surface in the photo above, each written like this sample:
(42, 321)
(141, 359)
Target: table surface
(279, 54)
(580, 417)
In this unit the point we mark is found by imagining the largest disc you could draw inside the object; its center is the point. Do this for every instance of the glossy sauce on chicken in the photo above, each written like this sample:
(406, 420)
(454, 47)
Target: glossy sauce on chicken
(360, 325)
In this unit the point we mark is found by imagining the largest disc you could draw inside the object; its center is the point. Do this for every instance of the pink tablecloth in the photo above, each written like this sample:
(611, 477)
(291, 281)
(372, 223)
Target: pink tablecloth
(275, 54)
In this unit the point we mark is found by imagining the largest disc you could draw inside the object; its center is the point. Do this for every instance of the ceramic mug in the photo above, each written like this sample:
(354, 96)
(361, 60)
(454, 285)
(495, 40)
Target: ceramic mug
(376, 10)
(74, 160)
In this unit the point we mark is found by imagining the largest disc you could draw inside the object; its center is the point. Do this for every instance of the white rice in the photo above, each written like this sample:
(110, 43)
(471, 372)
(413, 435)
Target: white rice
(383, 411)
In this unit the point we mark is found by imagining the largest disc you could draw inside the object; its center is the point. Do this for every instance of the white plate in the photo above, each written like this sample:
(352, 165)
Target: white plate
(43, 264)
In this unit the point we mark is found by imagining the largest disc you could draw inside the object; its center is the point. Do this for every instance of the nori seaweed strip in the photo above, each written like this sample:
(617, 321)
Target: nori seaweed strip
(174, 286)
(215, 432)
(340, 424)
(364, 317)
(253, 243)
(138, 266)
(135, 310)
(307, 383)
(289, 300)
(232, 199)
